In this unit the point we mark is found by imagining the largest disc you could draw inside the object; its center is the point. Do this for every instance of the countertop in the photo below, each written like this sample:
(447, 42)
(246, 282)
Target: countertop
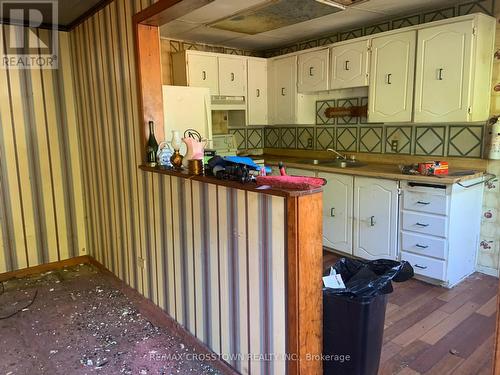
(387, 171)
(251, 186)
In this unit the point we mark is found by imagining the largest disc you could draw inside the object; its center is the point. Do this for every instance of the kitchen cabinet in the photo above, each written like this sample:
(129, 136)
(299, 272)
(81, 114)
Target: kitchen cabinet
(286, 106)
(453, 76)
(197, 70)
(392, 70)
(375, 218)
(232, 76)
(338, 211)
(440, 227)
(349, 65)
(257, 98)
(313, 71)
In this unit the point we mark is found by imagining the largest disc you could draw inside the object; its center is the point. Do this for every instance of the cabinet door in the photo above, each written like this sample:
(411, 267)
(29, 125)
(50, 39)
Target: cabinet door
(313, 71)
(257, 92)
(349, 66)
(375, 218)
(300, 172)
(203, 72)
(443, 73)
(285, 89)
(337, 211)
(232, 76)
(391, 78)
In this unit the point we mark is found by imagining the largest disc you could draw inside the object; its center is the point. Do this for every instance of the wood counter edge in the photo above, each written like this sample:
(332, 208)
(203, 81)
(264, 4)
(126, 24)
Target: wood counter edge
(231, 184)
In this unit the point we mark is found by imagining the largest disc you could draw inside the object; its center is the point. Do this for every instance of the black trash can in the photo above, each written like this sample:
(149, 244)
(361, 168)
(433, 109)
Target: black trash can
(353, 318)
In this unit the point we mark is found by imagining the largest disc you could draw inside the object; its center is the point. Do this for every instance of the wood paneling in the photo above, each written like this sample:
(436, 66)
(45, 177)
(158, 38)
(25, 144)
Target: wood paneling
(42, 216)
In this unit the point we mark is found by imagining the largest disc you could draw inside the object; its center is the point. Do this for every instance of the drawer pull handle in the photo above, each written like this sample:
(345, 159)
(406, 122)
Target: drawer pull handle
(332, 212)
(440, 74)
(422, 225)
(346, 66)
(311, 71)
(421, 267)
(424, 203)
(422, 246)
(204, 75)
(283, 91)
(258, 93)
(389, 75)
(372, 221)
(232, 76)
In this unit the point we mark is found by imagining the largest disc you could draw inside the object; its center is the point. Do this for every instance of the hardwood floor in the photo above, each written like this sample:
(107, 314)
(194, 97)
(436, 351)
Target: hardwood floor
(433, 330)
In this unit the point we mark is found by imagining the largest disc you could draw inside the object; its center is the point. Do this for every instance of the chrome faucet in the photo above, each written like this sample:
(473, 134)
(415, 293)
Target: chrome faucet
(339, 155)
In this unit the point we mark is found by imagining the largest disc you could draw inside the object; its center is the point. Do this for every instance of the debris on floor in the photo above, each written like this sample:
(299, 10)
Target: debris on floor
(81, 323)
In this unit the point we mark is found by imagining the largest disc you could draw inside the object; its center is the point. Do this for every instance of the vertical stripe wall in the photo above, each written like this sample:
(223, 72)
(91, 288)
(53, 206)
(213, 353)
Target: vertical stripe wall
(41, 202)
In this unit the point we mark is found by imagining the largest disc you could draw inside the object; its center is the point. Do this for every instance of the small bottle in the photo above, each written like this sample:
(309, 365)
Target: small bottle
(151, 146)
(282, 169)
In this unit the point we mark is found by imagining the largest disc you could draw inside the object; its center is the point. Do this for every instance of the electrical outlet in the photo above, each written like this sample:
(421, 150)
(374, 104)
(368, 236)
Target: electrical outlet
(309, 143)
(394, 145)
(141, 262)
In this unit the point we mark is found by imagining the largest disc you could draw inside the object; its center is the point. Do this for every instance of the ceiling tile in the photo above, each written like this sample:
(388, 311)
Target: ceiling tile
(219, 9)
(175, 29)
(209, 35)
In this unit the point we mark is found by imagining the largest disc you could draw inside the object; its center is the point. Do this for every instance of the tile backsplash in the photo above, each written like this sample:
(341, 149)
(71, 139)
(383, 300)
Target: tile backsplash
(354, 134)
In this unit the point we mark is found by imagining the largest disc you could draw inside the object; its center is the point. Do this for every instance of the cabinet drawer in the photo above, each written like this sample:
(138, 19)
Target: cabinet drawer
(418, 201)
(424, 266)
(423, 245)
(423, 223)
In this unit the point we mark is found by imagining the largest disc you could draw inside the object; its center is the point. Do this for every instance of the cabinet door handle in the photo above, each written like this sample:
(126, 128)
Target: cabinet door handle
(423, 203)
(422, 246)
(311, 70)
(389, 79)
(283, 91)
(332, 212)
(440, 74)
(421, 225)
(203, 75)
(258, 93)
(372, 221)
(346, 66)
(421, 267)
(232, 76)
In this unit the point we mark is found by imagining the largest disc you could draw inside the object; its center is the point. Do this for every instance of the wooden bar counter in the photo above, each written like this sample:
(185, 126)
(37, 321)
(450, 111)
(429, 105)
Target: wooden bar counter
(243, 270)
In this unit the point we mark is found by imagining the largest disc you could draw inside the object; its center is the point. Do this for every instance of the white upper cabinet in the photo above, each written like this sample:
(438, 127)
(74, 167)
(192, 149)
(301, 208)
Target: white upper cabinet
(453, 77)
(284, 90)
(313, 71)
(257, 92)
(197, 70)
(375, 218)
(392, 72)
(232, 76)
(349, 65)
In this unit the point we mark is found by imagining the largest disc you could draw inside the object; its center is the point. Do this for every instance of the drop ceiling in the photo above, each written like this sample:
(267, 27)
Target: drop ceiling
(262, 24)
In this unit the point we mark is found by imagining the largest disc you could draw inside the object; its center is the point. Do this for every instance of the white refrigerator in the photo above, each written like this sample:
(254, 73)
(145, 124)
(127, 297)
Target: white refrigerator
(187, 108)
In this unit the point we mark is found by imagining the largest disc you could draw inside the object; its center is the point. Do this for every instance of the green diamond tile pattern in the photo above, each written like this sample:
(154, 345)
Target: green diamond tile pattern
(288, 137)
(346, 103)
(406, 21)
(305, 138)
(272, 138)
(363, 101)
(465, 141)
(430, 140)
(240, 137)
(370, 139)
(254, 138)
(439, 15)
(478, 6)
(374, 29)
(321, 107)
(347, 139)
(402, 134)
(351, 34)
(325, 138)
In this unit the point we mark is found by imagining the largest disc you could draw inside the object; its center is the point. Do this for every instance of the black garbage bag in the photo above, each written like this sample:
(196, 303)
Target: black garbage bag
(370, 278)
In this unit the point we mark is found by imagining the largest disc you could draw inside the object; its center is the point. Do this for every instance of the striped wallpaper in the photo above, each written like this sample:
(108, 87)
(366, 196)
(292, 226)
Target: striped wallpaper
(41, 202)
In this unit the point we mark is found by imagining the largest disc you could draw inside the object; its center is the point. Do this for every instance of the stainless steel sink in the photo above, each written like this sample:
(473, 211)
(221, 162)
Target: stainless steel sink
(336, 163)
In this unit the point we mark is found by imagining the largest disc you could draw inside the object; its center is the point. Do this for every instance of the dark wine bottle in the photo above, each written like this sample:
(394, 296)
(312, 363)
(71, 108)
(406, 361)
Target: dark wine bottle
(151, 146)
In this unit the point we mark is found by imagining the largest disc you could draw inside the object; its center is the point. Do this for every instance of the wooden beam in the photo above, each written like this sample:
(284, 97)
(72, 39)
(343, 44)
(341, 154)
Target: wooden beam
(45, 267)
(164, 11)
(148, 61)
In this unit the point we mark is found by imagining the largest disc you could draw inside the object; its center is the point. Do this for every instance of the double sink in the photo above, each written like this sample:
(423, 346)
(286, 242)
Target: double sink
(337, 163)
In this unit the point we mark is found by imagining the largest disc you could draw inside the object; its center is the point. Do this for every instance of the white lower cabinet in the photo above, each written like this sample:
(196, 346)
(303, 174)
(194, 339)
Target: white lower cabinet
(375, 218)
(337, 211)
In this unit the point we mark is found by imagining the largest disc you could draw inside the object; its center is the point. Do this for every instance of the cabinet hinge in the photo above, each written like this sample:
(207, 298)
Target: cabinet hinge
(469, 110)
(474, 30)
